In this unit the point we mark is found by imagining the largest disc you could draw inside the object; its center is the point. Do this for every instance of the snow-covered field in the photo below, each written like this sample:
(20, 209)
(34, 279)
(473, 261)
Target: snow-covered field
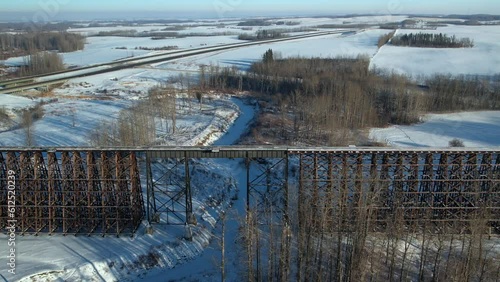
(74, 110)
(100, 50)
(482, 59)
(475, 129)
(329, 46)
(375, 20)
(12, 102)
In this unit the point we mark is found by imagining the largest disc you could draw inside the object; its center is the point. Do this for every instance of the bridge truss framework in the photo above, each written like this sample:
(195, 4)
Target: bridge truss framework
(98, 191)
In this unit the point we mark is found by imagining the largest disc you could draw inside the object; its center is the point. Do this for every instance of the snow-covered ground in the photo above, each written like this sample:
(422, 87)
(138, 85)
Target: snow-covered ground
(475, 129)
(12, 102)
(71, 113)
(103, 49)
(80, 105)
(100, 50)
(482, 59)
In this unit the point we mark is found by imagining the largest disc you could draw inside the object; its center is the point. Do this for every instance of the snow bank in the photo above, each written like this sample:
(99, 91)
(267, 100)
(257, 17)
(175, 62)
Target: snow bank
(15, 102)
(475, 129)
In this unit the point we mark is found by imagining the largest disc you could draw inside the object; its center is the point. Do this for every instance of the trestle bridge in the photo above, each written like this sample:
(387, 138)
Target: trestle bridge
(110, 191)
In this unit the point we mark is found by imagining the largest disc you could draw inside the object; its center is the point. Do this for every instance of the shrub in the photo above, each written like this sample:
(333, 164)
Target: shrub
(456, 143)
(385, 38)
(431, 40)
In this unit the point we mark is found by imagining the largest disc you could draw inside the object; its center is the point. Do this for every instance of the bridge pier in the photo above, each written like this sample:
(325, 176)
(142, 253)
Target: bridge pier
(70, 192)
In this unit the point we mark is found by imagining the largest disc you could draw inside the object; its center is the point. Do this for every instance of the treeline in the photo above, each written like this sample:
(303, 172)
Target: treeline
(360, 26)
(134, 127)
(164, 48)
(431, 40)
(261, 35)
(122, 33)
(321, 101)
(44, 41)
(477, 17)
(289, 23)
(256, 22)
(461, 93)
(118, 23)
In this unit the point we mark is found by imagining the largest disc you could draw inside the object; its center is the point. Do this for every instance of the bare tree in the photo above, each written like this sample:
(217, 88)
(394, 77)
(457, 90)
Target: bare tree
(73, 117)
(27, 124)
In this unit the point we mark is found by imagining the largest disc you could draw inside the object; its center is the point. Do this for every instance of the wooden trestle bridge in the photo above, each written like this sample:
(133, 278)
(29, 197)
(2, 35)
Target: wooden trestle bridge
(111, 191)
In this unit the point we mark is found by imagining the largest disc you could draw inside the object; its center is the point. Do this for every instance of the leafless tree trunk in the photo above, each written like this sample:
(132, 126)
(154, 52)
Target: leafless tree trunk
(27, 124)
(223, 248)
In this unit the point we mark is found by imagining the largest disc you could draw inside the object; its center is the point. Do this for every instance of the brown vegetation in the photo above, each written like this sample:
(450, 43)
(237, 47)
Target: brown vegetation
(261, 35)
(4, 116)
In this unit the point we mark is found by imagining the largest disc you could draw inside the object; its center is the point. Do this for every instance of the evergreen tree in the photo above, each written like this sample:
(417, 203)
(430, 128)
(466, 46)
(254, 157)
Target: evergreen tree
(268, 57)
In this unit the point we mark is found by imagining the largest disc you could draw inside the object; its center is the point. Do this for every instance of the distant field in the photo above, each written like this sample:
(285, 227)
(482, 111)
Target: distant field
(482, 59)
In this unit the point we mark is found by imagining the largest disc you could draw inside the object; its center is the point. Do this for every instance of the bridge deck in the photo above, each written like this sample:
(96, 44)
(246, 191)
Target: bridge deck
(249, 151)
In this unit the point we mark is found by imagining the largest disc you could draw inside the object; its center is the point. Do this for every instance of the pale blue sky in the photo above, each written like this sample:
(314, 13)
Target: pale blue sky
(214, 8)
